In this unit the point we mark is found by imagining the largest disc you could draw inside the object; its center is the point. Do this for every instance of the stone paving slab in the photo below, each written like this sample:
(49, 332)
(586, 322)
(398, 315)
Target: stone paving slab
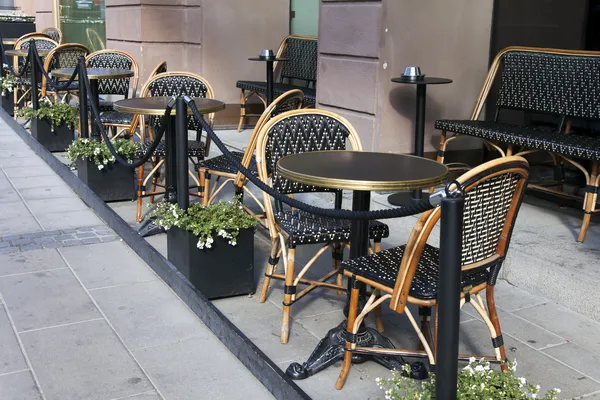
(19, 386)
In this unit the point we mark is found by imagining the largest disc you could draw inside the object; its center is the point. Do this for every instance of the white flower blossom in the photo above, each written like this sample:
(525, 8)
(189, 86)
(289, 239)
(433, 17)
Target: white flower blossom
(100, 167)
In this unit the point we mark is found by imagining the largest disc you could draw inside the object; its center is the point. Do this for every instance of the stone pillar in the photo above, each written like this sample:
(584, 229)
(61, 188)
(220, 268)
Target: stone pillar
(165, 30)
(363, 44)
(349, 36)
(44, 14)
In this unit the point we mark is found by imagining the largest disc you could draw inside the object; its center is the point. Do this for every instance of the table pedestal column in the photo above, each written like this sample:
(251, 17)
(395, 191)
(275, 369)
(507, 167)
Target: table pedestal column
(331, 348)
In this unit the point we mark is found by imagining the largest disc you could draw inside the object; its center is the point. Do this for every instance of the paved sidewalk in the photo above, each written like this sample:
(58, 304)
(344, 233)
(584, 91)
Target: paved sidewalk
(81, 316)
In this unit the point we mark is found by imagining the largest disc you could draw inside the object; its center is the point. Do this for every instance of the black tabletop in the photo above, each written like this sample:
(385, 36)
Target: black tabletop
(425, 81)
(267, 59)
(362, 170)
(156, 105)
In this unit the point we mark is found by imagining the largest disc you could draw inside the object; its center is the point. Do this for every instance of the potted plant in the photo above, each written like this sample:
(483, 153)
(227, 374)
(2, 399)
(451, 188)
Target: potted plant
(7, 84)
(14, 24)
(97, 167)
(213, 246)
(475, 381)
(52, 124)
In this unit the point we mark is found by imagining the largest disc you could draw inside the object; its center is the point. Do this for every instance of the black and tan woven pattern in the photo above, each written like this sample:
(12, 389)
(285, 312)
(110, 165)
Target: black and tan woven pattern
(306, 228)
(195, 149)
(571, 145)
(310, 94)
(221, 164)
(566, 85)
(54, 33)
(116, 61)
(40, 44)
(302, 64)
(299, 134)
(177, 85)
(116, 118)
(383, 268)
(65, 56)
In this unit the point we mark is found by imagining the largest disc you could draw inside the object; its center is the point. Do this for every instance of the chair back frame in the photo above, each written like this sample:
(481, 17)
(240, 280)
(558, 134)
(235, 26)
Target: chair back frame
(297, 48)
(271, 111)
(41, 41)
(50, 58)
(134, 67)
(514, 167)
(584, 63)
(263, 159)
(146, 92)
(35, 35)
(54, 33)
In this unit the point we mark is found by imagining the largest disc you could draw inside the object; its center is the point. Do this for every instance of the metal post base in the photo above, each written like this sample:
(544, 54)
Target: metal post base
(147, 227)
(331, 349)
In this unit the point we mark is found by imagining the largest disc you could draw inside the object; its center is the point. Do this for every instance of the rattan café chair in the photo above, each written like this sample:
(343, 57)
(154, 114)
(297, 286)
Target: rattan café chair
(221, 168)
(293, 132)
(409, 274)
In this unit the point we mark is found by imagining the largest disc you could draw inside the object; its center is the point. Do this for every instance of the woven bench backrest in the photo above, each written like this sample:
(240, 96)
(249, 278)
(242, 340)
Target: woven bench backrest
(302, 54)
(545, 82)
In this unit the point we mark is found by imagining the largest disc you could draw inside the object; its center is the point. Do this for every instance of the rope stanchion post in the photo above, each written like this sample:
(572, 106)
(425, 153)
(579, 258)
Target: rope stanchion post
(83, 106)
(35, 101)
(171, 159)
(449, 295)
(181, 133)
(94, 97)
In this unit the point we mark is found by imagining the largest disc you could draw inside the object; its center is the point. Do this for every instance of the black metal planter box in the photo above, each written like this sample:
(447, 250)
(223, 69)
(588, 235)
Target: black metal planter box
(16, 29)
(8, 103)
(221, 271)
(57, 140)
(113, 183)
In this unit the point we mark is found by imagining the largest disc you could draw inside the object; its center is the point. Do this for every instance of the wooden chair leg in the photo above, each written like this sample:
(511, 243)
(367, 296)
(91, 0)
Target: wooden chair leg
(589, 203)
(242, 110)
(288, 295)
(204, 189)
(491, 303)
(425, 315)
(378, 313)
(352, 313)
(140, 200)
(435, 332)
(271, 268)
(337, 253)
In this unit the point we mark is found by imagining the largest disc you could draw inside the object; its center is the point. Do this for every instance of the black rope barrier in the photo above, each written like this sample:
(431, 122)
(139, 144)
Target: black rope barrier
(49, 81)
(5, 62)
(96, 117)
(403, 211)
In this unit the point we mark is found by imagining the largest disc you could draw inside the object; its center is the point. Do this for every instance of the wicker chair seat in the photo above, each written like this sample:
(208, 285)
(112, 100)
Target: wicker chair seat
(115, 117)
(106, 105)
(221, 164)
(306, 228)
(310, 94)
(570, 145)
(195, 149)
(383, 268)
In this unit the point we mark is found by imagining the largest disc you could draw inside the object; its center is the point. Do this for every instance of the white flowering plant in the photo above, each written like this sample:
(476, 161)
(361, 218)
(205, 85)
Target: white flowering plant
(222, 219)
(475, 381)
(98, 152)
(55, 113)
(7, 84)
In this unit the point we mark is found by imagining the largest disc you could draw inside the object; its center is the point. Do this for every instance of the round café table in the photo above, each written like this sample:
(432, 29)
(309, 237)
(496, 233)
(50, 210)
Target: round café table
(404, 198)
(24, 53)
(9, 41)
(155, 106)
(94, 74)
(361, 172)
(269, 61)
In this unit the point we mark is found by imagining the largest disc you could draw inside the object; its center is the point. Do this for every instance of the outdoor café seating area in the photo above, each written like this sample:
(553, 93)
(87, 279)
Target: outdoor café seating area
(286, 226)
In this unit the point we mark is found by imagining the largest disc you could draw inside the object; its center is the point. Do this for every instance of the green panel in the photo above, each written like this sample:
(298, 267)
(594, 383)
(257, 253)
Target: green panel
(83, 21)
(306, 20)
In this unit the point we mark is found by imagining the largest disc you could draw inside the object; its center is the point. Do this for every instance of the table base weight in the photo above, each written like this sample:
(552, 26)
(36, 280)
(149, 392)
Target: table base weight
(331, 349)
(147, 227)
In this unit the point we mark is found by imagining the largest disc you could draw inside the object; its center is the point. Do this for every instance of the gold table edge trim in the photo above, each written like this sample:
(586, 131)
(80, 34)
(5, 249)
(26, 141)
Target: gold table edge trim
(92, 76)
(364, 185)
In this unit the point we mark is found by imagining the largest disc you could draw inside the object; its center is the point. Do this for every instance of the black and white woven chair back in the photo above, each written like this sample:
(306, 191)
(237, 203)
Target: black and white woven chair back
(569, 86)
(178, 84)
(41, 43)
(302, 131)
(54, 33)
(492, 200)
(288, 101)
(302, 53)
(114, 60)
(66, 56)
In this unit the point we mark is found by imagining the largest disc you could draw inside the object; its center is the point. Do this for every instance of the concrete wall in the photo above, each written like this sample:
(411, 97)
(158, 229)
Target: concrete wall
(363, 44)
(41, 9)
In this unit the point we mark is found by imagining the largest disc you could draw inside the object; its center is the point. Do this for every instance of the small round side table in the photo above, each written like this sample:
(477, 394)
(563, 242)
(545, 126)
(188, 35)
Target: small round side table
(269, 61)
(403, 198)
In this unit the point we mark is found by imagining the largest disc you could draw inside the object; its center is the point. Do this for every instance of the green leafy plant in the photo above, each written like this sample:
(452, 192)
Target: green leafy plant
(16, 16)
(224, 219)
(56, 113)
(98, 152)
(7, 84)
(475, 381)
